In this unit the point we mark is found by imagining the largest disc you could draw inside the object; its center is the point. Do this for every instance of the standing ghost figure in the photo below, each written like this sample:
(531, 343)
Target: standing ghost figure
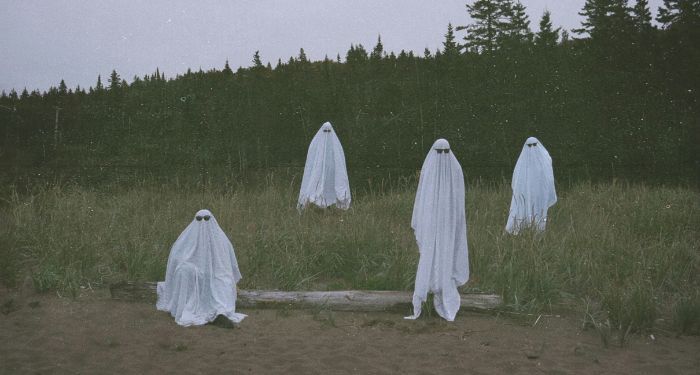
(440, 225)
(201, 277)
(325, 180)
(533, 188)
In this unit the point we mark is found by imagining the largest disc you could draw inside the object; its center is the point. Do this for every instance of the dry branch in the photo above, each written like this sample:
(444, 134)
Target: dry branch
(348, 300)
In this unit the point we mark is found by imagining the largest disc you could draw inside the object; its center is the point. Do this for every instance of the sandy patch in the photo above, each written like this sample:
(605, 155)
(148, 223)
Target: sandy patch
(44, 334)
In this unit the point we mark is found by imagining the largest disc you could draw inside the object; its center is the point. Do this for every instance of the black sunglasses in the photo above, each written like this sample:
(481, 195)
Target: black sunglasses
(326, 130)
(531, 144)
(441, 150)
(205, 217)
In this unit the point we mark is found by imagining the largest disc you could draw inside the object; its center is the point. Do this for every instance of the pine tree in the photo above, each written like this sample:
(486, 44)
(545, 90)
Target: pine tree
(515, 22)
(378, 51)
(547, 37)
(426, 53)
(605, 19)
(483, 34)
(641, 16)
(593, 12)
(450, 47)
(684, 14)
(24, 94)
(98, 85)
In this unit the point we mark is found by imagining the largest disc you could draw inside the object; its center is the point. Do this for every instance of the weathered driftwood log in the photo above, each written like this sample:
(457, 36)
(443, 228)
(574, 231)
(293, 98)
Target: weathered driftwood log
(348, 300)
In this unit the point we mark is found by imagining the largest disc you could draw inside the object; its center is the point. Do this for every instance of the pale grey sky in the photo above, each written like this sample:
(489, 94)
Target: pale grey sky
(44, 41)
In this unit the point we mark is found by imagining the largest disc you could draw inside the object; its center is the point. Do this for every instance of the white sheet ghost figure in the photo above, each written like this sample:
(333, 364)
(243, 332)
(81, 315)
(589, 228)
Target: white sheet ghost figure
(325, 180)
(201, 277)
(533, 188)
(440, 225)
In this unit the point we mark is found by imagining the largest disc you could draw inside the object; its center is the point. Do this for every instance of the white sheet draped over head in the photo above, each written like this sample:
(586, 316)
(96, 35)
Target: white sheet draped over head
(202, 273)
(325, 180)
(440, 225)
(533, 188)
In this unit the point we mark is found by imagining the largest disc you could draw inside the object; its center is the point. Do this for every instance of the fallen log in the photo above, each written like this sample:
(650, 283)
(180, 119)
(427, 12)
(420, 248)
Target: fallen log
(346, 300)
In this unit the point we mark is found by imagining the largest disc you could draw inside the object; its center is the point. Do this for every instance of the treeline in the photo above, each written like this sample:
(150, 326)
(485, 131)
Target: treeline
(620, 98)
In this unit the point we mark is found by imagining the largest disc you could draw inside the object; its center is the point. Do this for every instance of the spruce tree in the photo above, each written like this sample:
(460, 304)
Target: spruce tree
(378, 51)
(564, 37)
(62, 88)
(257, 63)
(547, 37)
(114, 81)
(98, 85)
(302, 56)
(356, 54)
(450, 47)
(227, 70)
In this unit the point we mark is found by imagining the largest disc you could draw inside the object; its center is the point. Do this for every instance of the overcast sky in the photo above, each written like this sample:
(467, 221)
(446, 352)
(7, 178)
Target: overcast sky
(44, 41)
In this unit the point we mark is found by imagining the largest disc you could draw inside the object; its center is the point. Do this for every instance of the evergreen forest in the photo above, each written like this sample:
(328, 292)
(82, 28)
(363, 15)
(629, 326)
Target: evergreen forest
(616, 98)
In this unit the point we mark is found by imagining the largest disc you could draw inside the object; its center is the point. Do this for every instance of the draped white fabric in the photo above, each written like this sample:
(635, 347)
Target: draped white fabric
(201, 277)
(440, 225)
(325, 180)
(533, 188)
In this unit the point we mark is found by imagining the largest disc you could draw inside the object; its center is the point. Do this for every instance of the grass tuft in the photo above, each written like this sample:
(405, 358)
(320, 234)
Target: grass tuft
(633, 249)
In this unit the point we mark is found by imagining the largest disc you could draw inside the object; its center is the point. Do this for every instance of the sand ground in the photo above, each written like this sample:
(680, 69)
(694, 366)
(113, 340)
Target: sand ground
(92, 334)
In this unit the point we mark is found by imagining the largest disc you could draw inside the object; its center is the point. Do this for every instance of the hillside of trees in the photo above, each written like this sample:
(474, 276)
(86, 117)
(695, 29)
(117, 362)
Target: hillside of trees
(616, 98)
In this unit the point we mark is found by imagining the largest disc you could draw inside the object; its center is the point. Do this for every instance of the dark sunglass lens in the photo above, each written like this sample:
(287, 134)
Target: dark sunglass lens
(447, 151)
(206, 217)
(199, 218)
(439, 151)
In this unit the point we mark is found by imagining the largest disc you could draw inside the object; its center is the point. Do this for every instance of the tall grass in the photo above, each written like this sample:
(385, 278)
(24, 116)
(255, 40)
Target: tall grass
(634, 249)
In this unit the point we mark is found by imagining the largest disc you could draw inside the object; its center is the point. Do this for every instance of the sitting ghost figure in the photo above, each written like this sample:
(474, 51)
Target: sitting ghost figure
(201, 277)
(440, 225)
(533, 188)
(325, 180)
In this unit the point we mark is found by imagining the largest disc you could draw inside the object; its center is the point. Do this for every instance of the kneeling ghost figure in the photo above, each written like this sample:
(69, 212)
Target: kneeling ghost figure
(440, 225)
(533, 188)
(201, 276)
(325, 182)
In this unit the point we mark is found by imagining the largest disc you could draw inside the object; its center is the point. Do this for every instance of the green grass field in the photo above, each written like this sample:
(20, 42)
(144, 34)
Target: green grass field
(627, 255)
